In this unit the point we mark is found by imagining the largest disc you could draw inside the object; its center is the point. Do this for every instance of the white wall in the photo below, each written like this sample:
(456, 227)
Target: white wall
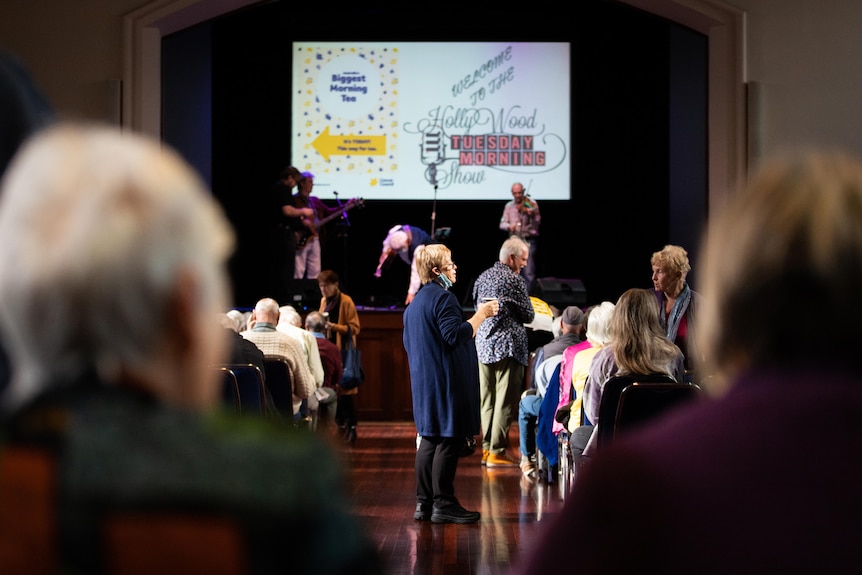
(73, 48)
(805, 56)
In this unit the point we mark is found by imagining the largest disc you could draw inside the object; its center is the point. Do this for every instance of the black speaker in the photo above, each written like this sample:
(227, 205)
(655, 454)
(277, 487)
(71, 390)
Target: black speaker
(560, 292)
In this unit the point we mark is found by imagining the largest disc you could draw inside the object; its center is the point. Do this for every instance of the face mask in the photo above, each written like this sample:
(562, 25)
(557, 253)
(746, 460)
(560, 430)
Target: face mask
(444, 281)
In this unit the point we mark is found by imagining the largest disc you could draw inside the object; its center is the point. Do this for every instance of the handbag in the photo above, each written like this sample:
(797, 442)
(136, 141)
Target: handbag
(351, 357)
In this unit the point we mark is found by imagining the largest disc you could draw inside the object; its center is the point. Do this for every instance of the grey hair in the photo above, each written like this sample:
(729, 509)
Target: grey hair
(315, 322)
(598, 328)
(96, 227)
(289, 315)
(511, 247)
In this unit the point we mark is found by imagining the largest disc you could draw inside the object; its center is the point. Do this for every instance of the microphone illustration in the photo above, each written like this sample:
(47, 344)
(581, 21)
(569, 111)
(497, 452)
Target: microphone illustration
(432, 152)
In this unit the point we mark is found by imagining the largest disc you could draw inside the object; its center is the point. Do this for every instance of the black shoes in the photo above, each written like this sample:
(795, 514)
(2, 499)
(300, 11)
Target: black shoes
(453, 513)
(350, 436)
(423, 512)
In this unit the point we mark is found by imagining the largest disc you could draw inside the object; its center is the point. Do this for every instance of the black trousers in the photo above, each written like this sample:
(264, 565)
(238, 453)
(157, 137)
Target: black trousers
(436, 463)
(345, 412)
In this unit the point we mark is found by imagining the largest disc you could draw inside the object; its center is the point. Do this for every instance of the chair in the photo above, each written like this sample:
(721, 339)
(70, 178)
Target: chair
(656, 394)
(279, 383)
(640, 402)
(230, 389)
(250, 387)
(547, 448)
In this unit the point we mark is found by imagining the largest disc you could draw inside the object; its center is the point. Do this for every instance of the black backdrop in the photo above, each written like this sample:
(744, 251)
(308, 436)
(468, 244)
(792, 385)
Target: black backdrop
(628, 85)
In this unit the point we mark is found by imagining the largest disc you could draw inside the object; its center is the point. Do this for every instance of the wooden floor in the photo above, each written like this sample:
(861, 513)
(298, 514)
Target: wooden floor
(383, 486)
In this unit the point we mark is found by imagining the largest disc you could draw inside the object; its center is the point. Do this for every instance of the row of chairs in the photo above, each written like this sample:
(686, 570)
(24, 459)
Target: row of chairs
(245, 389)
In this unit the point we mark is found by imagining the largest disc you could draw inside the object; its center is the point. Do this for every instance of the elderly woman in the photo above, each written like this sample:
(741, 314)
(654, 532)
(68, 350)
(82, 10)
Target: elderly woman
(444, 377)
(678, 303)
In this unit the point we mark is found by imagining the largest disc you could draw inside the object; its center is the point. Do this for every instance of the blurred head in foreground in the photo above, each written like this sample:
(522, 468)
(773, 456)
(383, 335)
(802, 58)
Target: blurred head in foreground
(111, 260)
(793, 238)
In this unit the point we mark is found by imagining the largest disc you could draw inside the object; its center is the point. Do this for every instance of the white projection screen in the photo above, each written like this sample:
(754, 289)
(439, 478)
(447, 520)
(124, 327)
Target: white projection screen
(394, 120)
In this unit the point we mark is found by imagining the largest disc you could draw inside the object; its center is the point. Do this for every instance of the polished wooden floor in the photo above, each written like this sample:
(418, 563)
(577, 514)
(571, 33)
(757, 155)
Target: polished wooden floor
(383, 486)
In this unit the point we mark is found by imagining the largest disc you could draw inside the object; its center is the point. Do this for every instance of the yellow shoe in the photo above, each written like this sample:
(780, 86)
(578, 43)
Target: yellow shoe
(485, 454)
(500, 460)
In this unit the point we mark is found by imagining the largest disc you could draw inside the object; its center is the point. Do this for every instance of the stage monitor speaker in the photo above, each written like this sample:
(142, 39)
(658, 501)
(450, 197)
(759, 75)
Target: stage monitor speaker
(304, 295)
(560, 292)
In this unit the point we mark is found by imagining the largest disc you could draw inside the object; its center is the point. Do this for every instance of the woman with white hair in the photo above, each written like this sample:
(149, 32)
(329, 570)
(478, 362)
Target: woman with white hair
(404, 241)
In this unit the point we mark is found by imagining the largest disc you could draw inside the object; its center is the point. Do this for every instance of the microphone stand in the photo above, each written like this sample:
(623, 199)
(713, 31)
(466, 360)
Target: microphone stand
(434, 211)
(432, 171)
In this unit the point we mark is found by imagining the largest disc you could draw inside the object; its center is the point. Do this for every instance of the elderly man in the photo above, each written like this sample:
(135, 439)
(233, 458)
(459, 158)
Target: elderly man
(111, 277)
(521, 218)
(547, 358)
(266, 336)
(290, 323)
(330, 357)
(501, 343)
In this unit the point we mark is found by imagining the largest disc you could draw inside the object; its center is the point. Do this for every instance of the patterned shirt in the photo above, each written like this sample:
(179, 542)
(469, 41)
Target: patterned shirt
(503, 335)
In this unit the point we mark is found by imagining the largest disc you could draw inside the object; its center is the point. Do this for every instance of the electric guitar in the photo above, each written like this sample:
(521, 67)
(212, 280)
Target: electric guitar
(311, 226)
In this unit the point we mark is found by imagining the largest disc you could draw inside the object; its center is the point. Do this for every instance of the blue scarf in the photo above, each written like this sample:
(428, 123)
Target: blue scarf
(679, 308)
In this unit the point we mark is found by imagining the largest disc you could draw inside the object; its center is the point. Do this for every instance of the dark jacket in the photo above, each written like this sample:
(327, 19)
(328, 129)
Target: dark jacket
(444, 370)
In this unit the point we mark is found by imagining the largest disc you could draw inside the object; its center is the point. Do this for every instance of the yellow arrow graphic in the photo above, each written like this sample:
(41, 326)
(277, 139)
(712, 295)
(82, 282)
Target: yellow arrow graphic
(348, 145)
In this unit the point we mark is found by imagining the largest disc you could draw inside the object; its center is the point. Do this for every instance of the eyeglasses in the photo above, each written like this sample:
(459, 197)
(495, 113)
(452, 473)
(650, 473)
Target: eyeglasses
(448, 266)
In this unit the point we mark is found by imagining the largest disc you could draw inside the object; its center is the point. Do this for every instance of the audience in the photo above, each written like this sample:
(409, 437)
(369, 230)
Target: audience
(330, 357)
(112, 271)
(290, 323)
(528, 413)
(239, 320)
(740, 484)
(240, 350)
(598, 336)
(638, 346)
(275, 343)
(25, 111)
(565, 397)
(571, 327)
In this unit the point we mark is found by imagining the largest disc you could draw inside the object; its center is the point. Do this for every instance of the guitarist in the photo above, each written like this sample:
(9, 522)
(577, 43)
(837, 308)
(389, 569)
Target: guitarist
(282, 220)
(307, 259)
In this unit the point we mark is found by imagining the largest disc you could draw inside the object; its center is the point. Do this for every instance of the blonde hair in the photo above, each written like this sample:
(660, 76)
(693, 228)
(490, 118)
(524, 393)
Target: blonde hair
(430, 257)
(639, 342)
(794, 234)
(673, 259)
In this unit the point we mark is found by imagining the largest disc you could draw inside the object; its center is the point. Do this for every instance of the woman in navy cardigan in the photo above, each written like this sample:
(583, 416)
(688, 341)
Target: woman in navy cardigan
(444, 378)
